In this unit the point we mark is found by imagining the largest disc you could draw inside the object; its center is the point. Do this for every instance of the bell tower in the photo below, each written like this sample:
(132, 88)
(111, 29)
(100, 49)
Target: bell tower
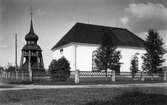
(31, 58)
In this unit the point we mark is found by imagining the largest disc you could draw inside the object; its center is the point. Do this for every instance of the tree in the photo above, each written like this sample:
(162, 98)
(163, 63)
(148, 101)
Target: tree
(11, 69)
(106, 55)
(1, 69)
(60, 69)
(52, 65)
(146, 63)
(154, 56)
(134, 65)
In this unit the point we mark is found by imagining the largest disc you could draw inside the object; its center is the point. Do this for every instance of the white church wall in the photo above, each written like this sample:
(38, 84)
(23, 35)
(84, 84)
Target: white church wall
(127, 55)
(84, 56)
(68, 53)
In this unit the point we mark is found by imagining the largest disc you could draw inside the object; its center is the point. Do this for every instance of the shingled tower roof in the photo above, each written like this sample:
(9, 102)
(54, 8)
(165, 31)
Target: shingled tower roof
(31, 39)
(31, 36)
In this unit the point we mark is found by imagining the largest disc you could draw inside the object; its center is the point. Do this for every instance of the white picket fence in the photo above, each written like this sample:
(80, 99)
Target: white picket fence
(78, 76)
(89, 75)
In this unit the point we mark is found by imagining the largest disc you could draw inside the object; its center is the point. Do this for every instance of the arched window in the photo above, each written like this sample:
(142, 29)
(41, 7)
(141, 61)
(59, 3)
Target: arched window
(32, 42)
(94, 66)
(28, 42)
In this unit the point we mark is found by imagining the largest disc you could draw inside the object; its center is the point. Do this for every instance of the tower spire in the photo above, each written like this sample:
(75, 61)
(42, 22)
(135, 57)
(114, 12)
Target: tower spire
(31, 24)
(31, 36)
(31, 13)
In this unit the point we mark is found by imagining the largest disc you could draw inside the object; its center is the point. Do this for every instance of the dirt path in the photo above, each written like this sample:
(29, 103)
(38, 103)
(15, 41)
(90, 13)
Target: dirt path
(22, 87)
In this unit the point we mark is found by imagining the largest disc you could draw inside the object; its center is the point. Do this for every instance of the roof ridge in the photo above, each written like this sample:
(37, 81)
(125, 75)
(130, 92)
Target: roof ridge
(98, 25)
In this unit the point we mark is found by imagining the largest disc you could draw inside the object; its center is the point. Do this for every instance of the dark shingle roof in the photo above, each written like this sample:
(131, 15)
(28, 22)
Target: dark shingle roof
(31, 36)
(31, 47)
(92, 34)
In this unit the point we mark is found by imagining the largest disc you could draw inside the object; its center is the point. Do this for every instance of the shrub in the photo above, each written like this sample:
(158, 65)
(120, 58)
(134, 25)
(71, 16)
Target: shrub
(60, 69)
(10, 69)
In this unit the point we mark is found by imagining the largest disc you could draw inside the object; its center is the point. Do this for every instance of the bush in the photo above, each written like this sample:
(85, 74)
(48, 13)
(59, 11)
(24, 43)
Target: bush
(60, 69)
(10, 69)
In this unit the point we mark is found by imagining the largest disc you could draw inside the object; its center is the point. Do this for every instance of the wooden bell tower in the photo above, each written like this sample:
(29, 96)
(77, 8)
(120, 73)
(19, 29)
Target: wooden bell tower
(31, 58)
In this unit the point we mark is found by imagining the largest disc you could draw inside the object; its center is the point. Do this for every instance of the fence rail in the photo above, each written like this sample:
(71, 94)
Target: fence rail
(23, 76)
(84, 74)
(87, 76)
(139, 74)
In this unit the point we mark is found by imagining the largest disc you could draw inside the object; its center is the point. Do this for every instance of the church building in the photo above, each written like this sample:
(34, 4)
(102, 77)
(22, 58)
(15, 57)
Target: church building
(78, 46)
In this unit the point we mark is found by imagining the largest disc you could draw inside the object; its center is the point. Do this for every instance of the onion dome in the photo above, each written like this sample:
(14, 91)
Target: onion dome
(31, 36)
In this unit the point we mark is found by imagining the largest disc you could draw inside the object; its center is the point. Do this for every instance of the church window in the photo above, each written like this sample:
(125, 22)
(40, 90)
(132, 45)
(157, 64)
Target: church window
(94, 66)
(32, 42)
(28, 42)
(61, 51)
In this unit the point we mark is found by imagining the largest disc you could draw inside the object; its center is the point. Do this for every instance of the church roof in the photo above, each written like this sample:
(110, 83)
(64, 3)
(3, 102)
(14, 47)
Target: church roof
(31, 36)
(92, 34)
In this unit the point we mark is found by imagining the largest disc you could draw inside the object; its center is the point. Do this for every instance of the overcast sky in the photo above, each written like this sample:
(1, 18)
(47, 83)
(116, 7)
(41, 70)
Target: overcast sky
(53, 18)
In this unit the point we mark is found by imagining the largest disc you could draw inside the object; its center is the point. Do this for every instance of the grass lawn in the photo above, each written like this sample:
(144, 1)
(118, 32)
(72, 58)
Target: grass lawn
(133, 98)
(76, 96)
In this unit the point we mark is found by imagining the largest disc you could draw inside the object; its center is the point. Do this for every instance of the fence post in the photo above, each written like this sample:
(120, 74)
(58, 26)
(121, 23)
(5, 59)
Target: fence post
(6, 75)
(109, 73)
(113, 75)
(17, 75)
(22, 75)
(77, 76)
(142, 76)
(1, 75)
(11, 75)
(165, 75)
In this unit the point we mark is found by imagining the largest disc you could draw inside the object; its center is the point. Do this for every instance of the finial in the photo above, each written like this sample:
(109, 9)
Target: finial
(31, 13)
(31, 25)
(88, 13)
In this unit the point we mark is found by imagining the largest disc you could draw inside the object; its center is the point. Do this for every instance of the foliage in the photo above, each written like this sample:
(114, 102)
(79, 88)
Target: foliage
(11, 69)
(60, 69)
(134, 65)
(154, 56)
(147, 63)
(106, 55)
(53, 65)
(1, 69)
